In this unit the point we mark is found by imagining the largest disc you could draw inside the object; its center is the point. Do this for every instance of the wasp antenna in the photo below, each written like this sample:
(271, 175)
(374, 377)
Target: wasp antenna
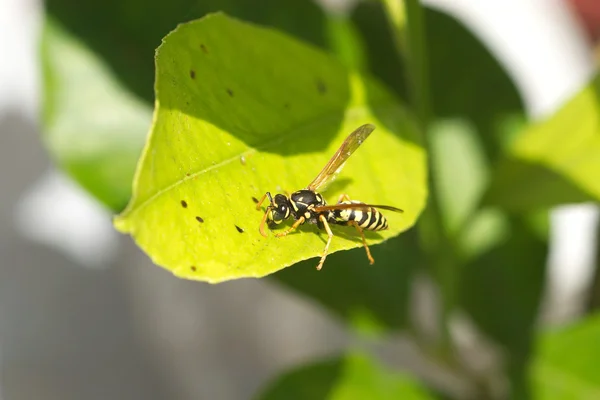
(261, 228)
(259, 202)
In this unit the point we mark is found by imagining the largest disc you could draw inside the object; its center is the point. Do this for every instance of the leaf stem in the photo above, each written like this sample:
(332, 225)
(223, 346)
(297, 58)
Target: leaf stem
(406, 20)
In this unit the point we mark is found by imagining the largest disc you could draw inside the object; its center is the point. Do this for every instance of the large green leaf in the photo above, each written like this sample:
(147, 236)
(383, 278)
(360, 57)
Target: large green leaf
(242, 110)
(98, 82)
(555, 161)
(93, 126)
(566, 363)
(345, 378)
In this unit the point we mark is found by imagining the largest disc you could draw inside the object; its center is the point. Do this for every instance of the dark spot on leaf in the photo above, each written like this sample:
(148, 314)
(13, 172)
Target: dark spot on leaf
(287, 106)
(204, 49)
(230, 92)
(199, 219)
(192, 74)
(193, 268)
(321, 86)
(254, 199)
(183, 204)
(188, 174)
(240, 230)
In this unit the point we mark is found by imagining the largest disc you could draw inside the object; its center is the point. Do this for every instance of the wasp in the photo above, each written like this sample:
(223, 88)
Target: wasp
(307, 205)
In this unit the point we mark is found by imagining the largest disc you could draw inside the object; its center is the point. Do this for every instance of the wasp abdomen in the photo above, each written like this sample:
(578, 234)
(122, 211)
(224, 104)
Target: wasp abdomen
(368, 218)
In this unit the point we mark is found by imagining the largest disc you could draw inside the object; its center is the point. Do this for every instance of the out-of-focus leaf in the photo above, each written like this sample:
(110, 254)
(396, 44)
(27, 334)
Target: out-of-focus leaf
(346, 43)
(466, 82)
(94, 127)
(99, 72)
(476, 112)
(501, 290)
(485, 229)
(219, 138)
(565, 366)
(371, 298)
(556, 161)
(346, 378)
(460, 168)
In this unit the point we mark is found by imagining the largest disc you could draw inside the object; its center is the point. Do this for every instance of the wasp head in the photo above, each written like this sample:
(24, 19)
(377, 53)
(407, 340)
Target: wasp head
(277, 211)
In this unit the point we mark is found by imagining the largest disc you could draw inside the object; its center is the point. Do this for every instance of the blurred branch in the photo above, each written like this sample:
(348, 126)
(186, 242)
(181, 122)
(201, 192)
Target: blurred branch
(406, 20)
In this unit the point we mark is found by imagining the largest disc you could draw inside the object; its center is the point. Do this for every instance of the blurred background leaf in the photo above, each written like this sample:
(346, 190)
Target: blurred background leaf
(501, 290)
(351, 377)
(93, 126)
(555, 161)
(566, 362)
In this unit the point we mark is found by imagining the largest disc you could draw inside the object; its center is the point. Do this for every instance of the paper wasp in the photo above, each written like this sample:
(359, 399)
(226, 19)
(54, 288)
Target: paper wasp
(307, 205)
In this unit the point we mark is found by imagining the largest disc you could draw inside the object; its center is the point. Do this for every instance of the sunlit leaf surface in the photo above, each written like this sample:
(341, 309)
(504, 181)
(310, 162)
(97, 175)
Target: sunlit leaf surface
(242, 110)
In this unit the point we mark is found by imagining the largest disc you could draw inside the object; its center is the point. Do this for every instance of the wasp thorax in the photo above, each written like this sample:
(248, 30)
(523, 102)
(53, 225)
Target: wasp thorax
(280, 209)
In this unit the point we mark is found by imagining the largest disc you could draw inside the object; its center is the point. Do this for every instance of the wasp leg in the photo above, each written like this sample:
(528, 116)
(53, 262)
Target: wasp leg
(359, 229)
(330, 234)
(299, 222)
(343, 197)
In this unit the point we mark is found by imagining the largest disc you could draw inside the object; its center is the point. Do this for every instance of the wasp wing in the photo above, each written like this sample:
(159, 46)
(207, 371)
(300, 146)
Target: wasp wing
(356, 206)
(336, 163)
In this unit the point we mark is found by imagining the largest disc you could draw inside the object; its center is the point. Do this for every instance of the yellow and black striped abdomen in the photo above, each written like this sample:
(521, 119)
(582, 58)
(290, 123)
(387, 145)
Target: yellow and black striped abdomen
(369, 218)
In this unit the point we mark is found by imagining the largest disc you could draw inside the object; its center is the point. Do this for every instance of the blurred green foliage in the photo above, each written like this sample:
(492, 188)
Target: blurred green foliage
(353, 376)
(492, 178)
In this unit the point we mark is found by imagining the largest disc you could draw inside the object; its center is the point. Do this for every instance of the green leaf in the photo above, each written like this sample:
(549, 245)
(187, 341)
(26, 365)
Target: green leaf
(566, 363)
(501, 288)
(555, 161)
(93, 127)
(461, 169)
(242, 110)
(460, 86)
(98, 82)
(351, 377)
(372, 299)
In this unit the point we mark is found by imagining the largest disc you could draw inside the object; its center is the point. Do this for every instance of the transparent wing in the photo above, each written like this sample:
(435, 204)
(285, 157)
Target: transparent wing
(336, 163)
(356, 206)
